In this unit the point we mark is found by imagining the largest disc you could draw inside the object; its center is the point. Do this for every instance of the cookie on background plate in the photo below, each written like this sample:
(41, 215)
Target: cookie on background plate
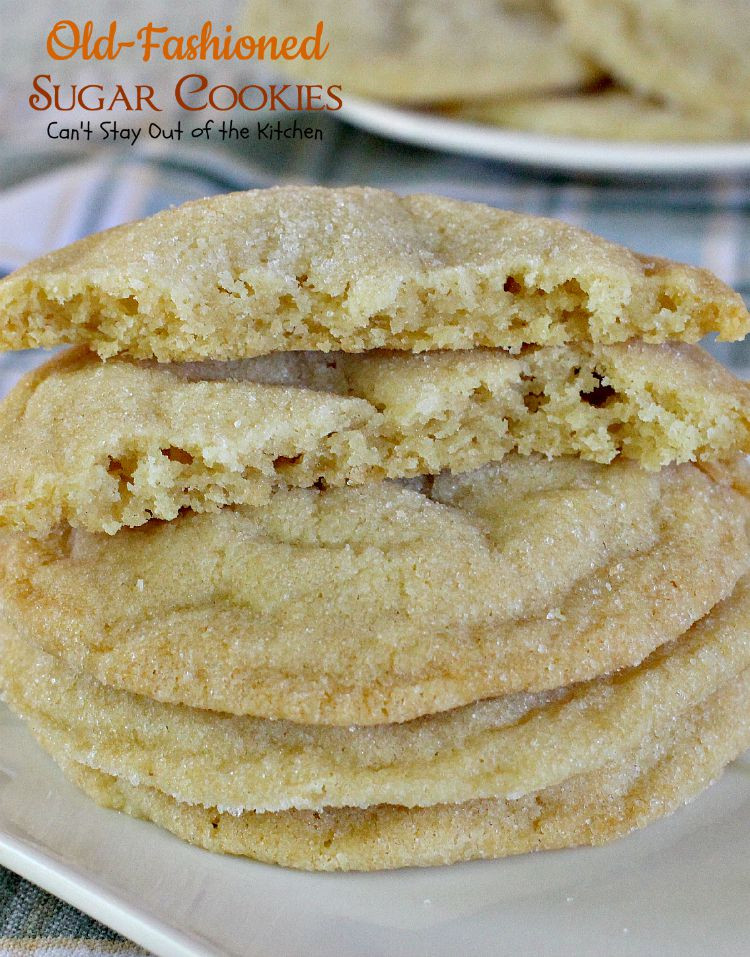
(384, 602)
(603, 115)
(293, 268)
(688, 52)
(422, 51)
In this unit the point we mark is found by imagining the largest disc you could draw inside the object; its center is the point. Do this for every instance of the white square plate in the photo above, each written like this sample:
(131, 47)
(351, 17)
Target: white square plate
(681, 887)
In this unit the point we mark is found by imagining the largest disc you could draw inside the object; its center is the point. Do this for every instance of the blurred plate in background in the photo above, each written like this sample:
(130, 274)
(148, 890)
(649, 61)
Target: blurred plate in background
(562, 154)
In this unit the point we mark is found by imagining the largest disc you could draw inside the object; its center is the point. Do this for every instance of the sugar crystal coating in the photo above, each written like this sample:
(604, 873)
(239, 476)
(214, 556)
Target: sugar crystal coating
(294, 268)
(656, 778)
(502, 747)
(381, 603)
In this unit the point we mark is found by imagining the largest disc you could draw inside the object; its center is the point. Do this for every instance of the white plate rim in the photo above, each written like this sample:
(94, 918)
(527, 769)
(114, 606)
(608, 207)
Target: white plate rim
(542, 151)
(75, 888)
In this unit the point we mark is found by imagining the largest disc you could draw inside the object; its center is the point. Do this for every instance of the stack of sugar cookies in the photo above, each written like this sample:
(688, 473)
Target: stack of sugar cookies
(380, 531)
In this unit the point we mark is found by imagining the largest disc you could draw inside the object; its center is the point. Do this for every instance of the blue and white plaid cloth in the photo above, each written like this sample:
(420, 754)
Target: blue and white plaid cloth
(48, 200)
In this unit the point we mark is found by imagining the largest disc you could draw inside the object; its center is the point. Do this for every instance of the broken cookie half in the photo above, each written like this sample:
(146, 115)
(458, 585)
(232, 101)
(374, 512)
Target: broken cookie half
(301, 268)
(102, 445)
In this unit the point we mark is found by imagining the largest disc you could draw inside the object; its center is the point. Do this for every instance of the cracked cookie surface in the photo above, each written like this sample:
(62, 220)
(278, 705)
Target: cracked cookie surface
(392, 600)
